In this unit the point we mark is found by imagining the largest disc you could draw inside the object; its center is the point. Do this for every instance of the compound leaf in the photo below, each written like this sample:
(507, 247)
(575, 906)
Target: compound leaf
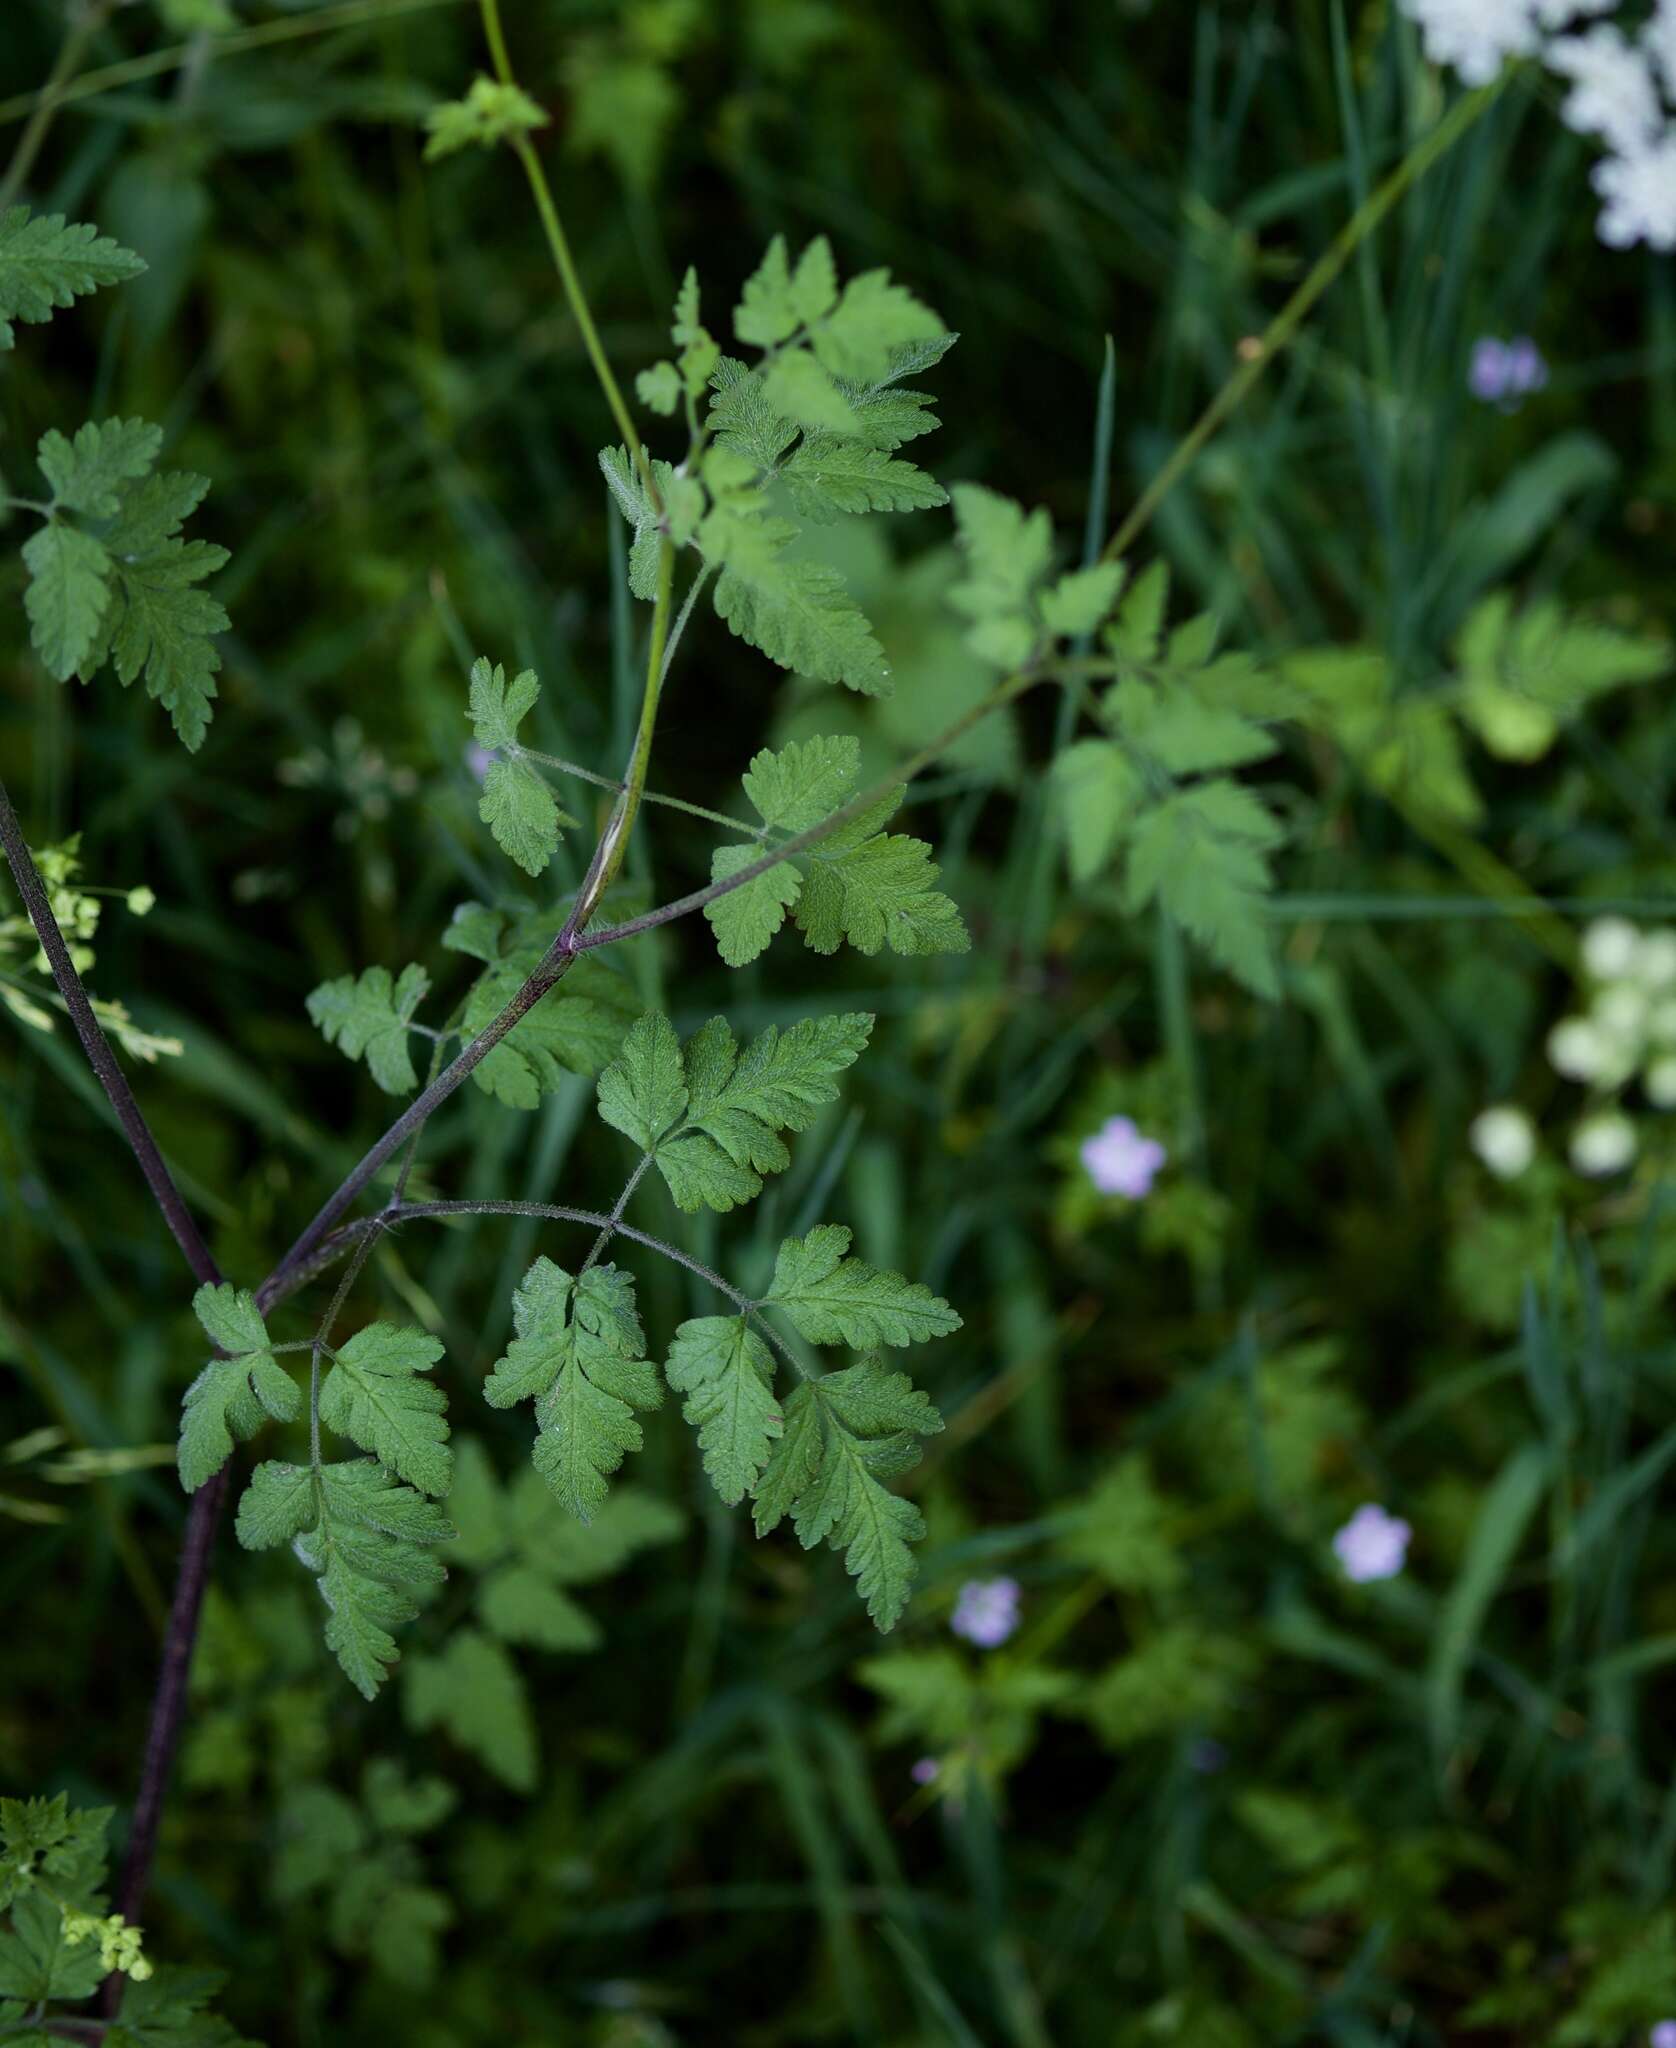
(577, 1353)
(372, 1017)
(368, 1541)
(843, 1435)
(68, 580)
(834, 1299)
(726, 1371)
(374, 1395)
(230, 1397)
(47, 262)
(87, 473)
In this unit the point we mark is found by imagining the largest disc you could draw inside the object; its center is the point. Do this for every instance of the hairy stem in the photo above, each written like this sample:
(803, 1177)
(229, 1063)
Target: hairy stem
(1297, 308)
(98, 1047)
(916, 764)
(304, 1258)
(550, 970)
(619, 1209)
(558, 243)
(613, 846)
(368, 1228)
(647, 796)
(169, 1700)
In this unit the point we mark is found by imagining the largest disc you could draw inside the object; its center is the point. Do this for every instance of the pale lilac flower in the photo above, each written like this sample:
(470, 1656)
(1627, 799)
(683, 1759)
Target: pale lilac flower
(1663, 2035)
(479, 760)
(1372, 1544)
(1503, 372)
(1120, 1161)
(926, 1771)
(986, 1612)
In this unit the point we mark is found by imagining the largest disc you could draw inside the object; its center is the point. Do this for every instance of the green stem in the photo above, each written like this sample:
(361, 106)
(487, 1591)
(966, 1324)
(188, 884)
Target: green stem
(618, 1210)
(111, 77)
(70, 53)
(564, 263)
(613, 846)
(1003, 693)
(647, 796)
(1292, 315)
(368, 1228)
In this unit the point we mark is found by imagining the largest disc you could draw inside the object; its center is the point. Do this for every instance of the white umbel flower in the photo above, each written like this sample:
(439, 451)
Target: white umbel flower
(1640, 195)
(1611, 948)
(1505, 1139)
(1621, 1012)
(1578, 1049)
(1655, 965)
(1551, 14)
(1613, 92)
(1660, 1082)
(1603, 1143)
(1658, 38)
(1623, 90)
(1475, 36)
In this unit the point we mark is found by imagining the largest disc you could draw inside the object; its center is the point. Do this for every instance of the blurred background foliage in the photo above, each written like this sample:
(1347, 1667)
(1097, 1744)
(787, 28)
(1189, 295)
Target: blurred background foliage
(1210, 1793)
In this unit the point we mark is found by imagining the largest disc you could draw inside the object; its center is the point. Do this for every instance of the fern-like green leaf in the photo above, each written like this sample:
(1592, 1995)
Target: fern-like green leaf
(578, 1354)
(233, 1393)
(726, 1371)
(367, 1539)
(47, 262)
(834, 1299)
(843, 1436)
(371, 1017)
(69, 575)
(87, 474)
(374, 1395)
(859, 883)
(473, 1690)
(1203, 853)
(709, 1118)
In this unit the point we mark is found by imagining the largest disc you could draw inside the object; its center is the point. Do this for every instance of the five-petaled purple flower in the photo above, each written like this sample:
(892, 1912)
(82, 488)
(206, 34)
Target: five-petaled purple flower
(986, 1612)
(1372, 1544)
(926, 1771)
(1503, 372)
(1120, 1161)
(479, 760)
(1663, 2035)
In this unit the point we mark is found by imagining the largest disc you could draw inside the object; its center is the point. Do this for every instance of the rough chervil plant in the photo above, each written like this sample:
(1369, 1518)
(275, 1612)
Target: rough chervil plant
(787, 401)
(792, 1393)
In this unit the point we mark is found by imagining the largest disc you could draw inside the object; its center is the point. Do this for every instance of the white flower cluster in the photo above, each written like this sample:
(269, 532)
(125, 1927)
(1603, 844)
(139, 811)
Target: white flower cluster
(1626, 1034)
(1623, 91)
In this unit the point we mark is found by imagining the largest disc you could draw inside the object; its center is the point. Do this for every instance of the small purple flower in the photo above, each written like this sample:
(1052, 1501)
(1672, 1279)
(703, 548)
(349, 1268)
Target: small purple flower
(1120, 1161)
(1503, 372)
(986, 1612)
(479, 760)
(1207, 1756)
(927, 1771)
(1372, 1544)
(1663, 2035)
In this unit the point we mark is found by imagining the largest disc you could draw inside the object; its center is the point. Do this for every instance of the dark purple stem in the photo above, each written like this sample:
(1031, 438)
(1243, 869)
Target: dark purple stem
(169, 1700)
